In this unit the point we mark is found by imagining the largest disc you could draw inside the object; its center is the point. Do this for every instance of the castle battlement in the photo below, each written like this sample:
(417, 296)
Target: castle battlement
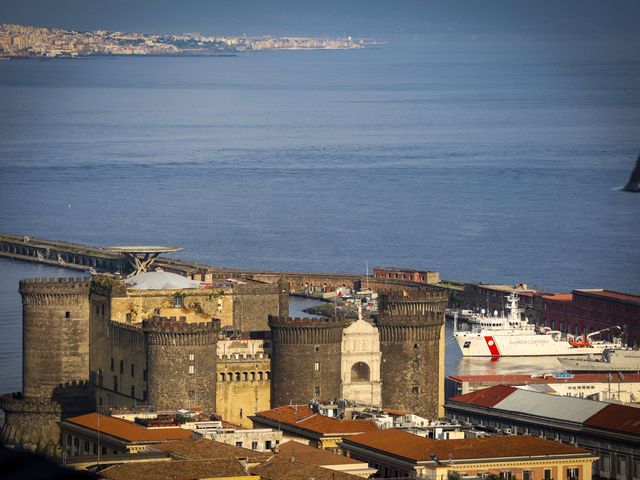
(171, 325)
(275, 321)
(416, 294)
(241, 357)
(13, 403)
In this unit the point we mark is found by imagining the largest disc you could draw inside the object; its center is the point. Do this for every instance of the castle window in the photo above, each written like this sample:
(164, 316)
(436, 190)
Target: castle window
(317, 349)
(237, 376)
(133, 370)
(415, 346)
(267, 375)
(133, 391)
(316, 391)
(112, 364)
(192, 369)
(102, 309)
(145, 396)
(259, 375)
(192, 357)
(67, 314)
(115, 383)
(144, 374)
(316, 366)
(192, 394)
(415, 390)
(245, 376)
(253, 376)
(121, 367)
(222, 377)
(128, 317)
(178, 301)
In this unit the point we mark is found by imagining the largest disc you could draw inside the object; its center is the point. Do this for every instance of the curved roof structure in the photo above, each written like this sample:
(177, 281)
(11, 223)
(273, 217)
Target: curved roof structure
(160, 281)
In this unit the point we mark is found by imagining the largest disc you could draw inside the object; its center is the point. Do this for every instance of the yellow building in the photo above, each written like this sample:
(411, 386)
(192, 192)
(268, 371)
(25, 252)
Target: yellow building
(396, 453)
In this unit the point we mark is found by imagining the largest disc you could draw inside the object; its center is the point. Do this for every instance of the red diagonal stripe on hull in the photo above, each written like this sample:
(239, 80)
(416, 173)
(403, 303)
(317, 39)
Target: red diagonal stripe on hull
(493, 348)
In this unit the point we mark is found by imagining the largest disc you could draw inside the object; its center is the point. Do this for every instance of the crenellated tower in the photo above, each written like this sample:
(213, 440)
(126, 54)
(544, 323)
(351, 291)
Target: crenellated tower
(305, 359)
(181, 363)
(411, 325)
(55, 334)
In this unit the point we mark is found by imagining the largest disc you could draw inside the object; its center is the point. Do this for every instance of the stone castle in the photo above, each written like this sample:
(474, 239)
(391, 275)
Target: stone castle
(227, 346)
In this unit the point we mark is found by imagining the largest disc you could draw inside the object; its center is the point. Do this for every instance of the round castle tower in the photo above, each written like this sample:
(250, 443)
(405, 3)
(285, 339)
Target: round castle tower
(412, 346)
(181, 363)
(55, 334)
(305, 359)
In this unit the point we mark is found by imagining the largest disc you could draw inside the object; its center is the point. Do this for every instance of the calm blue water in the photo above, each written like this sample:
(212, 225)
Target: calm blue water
(488, 159)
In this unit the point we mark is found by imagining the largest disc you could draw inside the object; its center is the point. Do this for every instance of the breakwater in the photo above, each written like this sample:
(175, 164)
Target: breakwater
(98, 259)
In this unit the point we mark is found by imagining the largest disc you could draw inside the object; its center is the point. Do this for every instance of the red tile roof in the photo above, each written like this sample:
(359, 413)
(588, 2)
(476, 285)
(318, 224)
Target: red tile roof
(628, 297)
(205, 449)
(617, 417)
(561, 297)
(523, 379)
(314, 456)
(176, 470)
(303, 417)
(126, 430)
(416, 448)
(284, 469)
(487, 397)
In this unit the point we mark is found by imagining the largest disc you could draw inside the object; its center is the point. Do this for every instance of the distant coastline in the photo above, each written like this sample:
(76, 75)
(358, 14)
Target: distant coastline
(23, 41)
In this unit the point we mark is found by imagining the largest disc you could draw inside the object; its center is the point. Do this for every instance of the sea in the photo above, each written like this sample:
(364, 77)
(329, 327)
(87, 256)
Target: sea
(493, 158)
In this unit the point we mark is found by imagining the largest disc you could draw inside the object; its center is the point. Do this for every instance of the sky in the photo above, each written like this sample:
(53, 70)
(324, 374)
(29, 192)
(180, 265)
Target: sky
(330, 17)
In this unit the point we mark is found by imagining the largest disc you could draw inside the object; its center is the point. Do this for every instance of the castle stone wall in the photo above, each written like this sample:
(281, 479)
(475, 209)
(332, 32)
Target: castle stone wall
(181, 362)
(411, 346)
(55, 333)
(305, 359)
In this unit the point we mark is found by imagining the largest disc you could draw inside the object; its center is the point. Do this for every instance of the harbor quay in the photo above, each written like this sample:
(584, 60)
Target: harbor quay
(149, 355)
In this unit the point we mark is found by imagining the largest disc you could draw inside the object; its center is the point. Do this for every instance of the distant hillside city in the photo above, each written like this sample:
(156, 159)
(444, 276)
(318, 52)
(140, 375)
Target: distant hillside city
(28, 41)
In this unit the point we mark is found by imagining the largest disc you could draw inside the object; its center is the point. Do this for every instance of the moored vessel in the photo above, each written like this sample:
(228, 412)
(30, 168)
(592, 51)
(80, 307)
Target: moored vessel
(611, 360)
(513, 336)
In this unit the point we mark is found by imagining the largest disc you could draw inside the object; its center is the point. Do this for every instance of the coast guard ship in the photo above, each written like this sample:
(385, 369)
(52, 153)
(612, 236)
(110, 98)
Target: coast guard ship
(514, 336)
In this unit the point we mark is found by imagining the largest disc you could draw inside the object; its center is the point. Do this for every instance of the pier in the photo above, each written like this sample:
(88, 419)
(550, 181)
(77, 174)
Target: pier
(104, 260)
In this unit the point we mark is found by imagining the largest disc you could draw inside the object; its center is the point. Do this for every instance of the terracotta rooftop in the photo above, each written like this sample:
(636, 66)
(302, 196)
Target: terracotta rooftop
(176, 470)
(487, 397)
(561, 297)
(416, 448)
(126, 430)
(617, 417)
(518, 379)
(314, 456)
(284, 469)
(303, 417)
(627, 297)
(205, 449)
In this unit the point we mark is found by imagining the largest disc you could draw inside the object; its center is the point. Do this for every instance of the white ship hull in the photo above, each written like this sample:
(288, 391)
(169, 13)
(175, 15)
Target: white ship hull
(507, 344)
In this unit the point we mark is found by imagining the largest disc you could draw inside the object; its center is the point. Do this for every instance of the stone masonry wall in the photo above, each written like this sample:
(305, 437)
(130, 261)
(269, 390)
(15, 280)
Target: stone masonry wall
(181, 360)
(305, 360)
(55, 333)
